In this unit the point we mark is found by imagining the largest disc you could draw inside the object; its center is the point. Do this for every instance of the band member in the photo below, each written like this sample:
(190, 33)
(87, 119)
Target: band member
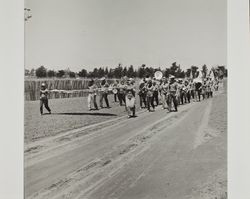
(130, 86)
(192, 86)
(155, 92)
(181, 92)
(150, 90)
(173, 89)
(115, 91)
(187, 89)
(44, 98)
(92, 94)
(104, 92)
(121, 92)
(204, 90)
(211, 88)
(142, 93)
(164, 90)
(130, 103)
(198, 88)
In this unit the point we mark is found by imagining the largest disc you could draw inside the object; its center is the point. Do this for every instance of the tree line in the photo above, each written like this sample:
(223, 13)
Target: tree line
(120, 71)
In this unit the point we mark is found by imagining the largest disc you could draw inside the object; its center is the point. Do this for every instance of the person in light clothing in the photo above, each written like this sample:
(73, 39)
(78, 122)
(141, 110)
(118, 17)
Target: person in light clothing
(130, 104)
(44, 98)
(92, 94)
(104, 92)
(164, 90)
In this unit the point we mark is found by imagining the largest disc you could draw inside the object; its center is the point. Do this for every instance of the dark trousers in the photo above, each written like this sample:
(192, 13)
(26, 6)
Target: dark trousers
(192, 93)
(105, 97)
(172, 98)
(45, 102)
(155, 97)
(115, 97)
(198, 94)
(143, 99)
(183, 97)
(150, 101)
(121, 98)
(188, 96)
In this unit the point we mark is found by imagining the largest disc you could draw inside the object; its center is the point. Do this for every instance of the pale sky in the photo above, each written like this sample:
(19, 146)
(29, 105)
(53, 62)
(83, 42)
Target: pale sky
(98, 33)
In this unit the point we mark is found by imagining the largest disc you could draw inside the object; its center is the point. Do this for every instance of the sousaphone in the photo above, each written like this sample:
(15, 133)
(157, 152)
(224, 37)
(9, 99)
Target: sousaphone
(158, 75)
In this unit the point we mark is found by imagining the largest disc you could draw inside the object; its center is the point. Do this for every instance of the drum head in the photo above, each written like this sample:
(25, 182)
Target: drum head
(115, 91)
(158, 75)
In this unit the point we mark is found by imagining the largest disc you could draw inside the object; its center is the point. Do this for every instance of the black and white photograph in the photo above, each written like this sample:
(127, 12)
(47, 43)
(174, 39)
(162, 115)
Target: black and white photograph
(125, 99)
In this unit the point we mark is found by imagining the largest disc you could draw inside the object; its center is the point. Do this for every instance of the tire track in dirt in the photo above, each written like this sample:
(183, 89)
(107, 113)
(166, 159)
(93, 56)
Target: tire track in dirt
(118, 156)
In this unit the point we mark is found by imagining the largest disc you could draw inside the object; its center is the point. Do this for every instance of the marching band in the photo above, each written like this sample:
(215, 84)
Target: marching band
(170, 92)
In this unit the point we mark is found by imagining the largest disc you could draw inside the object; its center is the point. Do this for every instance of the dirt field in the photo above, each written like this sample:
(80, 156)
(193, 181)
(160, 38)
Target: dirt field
(67, 114)
(180, 155)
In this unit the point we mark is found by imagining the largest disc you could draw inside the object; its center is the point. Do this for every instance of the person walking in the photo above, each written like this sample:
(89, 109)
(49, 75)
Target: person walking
(164, 89)
(121, 92)
(92, 94)
(130, 103)
(44, 99)
(150, 90)
(173, 90)
(155, 93)
(114, 87)
(142, 93)
(104, 92)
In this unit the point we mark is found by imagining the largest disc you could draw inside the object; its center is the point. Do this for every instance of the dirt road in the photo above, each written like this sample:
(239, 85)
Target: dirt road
(155, 155)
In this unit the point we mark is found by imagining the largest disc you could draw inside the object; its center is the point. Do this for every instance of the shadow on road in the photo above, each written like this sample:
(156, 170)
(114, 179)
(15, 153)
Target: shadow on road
(97, 114)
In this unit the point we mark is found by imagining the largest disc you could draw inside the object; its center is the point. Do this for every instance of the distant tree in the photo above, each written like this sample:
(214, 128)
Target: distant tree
(26, 72)
(106, 72)
(32, 72)
(173, 69)
(188, 72)
(101, 72)
(204, 70)
(41, 72)
(194, 70)
(72, 74)
(60, 73)
(149, 71)
(221, 71)
(83, 73)
(125, 71)
(118, 71)
(95, 73)
(111, 73)
(51, 73)
(167, 72)
(141, 72)
(131, 72)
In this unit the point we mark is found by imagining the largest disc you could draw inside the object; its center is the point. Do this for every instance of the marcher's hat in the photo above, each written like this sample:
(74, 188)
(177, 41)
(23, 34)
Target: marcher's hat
(103, 78)
(43, 84)
(171, 77)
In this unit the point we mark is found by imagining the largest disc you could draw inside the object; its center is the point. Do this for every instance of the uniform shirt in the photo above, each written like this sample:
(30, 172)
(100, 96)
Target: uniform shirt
(105, 87)
(44, 93)
(164, 88)
(121, 88)
(142, 88)
(130, 100)
(173, 88)
(150, 90)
